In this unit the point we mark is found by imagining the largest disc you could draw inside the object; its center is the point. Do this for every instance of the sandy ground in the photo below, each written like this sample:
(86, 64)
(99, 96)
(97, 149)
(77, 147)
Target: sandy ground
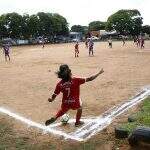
(26, 83)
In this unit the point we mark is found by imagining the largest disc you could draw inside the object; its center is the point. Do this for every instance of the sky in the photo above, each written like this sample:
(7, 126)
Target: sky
(77, 12)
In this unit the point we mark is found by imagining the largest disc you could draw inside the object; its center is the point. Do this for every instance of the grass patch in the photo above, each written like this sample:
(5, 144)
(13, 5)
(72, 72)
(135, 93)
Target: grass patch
(142, 117)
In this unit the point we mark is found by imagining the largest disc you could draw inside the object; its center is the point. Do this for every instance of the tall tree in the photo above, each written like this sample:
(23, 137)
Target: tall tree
(125, 22)
(96, 26)
(25, 28)
(45, 23)
(3, 27)
(33, 25)
(14, 25)
(60, 25)
(78, 28)
(42, 24)
(146, 29)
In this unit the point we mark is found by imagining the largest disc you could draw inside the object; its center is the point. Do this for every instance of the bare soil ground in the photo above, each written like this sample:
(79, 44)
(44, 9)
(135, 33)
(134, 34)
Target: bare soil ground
(26, 83)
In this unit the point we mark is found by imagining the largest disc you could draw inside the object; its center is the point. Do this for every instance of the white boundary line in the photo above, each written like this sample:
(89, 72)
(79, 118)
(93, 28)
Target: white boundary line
(106, 119)
(89, 129)
(37, 125)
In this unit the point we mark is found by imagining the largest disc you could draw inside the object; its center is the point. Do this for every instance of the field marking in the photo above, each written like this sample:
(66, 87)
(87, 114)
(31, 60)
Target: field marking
(89, 129)
(106, 118)
(37, 125)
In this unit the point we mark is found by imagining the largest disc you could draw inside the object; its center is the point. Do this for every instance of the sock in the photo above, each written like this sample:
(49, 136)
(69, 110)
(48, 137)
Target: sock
(78, 115)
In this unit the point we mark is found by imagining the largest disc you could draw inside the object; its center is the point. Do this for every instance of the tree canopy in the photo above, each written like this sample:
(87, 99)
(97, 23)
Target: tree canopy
(24, 26)
(96, 25)
(127, 22)
(14, 25)
(146, 29)
(79, 28)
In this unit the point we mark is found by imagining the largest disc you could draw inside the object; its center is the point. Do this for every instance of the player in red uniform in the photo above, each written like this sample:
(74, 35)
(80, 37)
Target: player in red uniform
(70, 87)
(76, 49)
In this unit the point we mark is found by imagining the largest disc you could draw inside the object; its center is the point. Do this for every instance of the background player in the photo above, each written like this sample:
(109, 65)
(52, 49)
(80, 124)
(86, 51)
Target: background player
(76, 49)
(6, 51)
(91, 45)
(142, 42)
(70, 87)
(110, 42)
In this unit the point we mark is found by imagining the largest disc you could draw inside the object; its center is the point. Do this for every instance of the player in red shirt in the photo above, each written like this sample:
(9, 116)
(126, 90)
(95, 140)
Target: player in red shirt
(76, 49)
(70, 87)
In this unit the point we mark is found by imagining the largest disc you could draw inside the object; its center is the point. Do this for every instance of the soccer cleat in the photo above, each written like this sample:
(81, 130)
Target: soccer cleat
(80, 123)
(50, 121)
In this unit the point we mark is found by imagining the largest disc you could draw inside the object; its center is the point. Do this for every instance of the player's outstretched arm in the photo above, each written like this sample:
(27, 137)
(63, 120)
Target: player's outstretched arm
(94, 76)
(52, 98)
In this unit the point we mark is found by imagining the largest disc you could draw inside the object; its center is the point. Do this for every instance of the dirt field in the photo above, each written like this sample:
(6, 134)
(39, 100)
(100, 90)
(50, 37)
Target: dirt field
(26, 83)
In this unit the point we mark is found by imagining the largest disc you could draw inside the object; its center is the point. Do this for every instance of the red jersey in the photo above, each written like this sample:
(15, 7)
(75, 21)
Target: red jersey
(76, 46)
(70, 90)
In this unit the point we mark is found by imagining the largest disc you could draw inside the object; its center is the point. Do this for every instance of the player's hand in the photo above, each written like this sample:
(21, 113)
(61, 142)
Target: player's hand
(50, 99)
(101, 71)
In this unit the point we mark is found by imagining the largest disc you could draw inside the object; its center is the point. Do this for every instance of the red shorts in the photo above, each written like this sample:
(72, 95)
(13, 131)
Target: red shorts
(65, 107)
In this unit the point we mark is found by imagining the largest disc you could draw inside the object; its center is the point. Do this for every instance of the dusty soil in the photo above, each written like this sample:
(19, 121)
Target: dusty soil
(29, 79)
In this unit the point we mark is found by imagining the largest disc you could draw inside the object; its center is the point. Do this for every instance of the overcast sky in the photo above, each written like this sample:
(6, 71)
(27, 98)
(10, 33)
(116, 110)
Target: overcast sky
(77, 11)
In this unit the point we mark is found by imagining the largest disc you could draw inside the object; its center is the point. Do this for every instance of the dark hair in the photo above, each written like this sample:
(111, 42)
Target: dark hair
(64, 72)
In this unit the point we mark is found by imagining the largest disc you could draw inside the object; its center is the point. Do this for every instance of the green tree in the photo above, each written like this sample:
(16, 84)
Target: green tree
(60, 25)
(45, 23)
(96, 25)
(127, 22)
(52, 24)
(14, 25)
(146, 29)
(3, 27)
(25, 28)
(42, 24)
(78, 28)
(33, 25)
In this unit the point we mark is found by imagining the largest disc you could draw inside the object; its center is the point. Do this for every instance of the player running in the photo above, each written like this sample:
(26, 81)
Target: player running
(70, 87)
(91, 45)
(76, 49)
(6, 51)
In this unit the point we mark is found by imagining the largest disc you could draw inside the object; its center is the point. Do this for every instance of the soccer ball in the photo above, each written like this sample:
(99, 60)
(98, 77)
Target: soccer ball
(65, 119)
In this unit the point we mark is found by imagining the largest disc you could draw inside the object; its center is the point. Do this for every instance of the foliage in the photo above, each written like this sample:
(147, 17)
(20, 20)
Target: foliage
(79, 28)
(127, 22)
(96, 25)
(146, 29)
(14, 25)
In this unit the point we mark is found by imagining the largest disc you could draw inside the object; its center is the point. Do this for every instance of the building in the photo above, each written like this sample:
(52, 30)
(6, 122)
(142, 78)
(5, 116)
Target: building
(76, 35)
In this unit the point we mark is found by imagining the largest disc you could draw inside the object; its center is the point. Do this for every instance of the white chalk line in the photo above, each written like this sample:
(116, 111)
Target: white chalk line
(104, 120)
(37, 125)
(89, 129)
